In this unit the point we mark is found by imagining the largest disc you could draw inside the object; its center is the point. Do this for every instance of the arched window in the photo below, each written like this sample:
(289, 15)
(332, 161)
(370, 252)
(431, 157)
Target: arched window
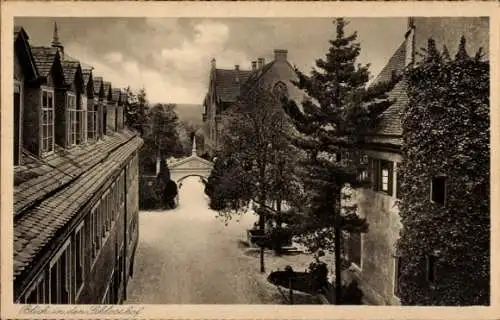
(280, 90)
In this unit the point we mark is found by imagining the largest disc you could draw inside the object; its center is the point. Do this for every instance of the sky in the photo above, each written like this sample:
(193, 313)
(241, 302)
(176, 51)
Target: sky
(170, 57)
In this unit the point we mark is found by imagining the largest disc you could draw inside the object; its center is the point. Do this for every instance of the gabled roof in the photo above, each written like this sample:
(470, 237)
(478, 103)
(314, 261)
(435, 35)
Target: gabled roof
(257, 74)
(44, 59)
(18, 31)
(25, 54)
(87, 74)
(116, 95)
(98, 82)
(106, 87)
(396, 64)
(390, 124)
(70, 69)
(228, 83)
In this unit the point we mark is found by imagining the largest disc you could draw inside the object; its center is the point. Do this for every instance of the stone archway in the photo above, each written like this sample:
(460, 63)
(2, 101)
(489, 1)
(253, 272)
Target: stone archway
(190, 166)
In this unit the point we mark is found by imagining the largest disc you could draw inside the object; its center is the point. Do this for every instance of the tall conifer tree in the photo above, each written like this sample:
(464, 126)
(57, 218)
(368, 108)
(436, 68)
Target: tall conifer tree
(340, 112)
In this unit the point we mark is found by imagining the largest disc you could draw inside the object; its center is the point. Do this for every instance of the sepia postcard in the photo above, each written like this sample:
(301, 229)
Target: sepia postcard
(246, 160)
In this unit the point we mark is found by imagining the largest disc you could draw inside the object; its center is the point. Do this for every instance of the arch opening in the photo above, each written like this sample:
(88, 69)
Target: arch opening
(179, 180)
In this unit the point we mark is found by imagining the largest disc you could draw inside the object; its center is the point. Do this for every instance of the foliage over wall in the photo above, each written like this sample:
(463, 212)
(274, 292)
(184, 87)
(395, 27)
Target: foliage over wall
(446, 132)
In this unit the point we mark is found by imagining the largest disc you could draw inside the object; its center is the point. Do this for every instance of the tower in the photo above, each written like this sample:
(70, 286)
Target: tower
(55, 41)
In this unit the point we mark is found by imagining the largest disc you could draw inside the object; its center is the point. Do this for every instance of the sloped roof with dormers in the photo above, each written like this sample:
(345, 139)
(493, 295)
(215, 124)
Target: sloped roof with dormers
(390, 128)
(98, 83)
(44, 58)
(228, 83)
(107, 88)
(116, 94)
(25, 53)
(70, 70)
(48, 193)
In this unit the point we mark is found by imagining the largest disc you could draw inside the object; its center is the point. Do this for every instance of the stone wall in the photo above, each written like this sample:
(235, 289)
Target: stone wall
(376, 273)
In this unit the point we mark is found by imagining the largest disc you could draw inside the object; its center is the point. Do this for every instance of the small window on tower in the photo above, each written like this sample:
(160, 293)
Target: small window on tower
(438, 190)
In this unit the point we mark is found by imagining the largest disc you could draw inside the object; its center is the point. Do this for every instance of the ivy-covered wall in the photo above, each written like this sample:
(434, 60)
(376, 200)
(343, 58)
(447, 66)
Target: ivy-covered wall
(445, 247)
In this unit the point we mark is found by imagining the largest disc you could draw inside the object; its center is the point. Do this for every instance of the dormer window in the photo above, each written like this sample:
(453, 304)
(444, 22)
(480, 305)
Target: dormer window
(92, 126)
(47, 120)
(82, 119)
(73, 119)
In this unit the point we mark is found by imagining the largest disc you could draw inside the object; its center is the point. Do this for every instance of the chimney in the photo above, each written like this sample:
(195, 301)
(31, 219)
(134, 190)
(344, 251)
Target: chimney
(280, 54)
(213, 63)
(254, 65)
(260, 62)
(237, 67)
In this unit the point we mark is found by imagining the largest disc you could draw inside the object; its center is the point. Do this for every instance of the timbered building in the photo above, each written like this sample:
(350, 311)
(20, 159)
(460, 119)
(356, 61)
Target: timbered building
(75, 192)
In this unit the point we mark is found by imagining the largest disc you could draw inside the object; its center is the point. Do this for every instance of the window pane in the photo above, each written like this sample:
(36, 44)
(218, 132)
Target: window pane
(50, 100)
(438, 189)
(44, 98)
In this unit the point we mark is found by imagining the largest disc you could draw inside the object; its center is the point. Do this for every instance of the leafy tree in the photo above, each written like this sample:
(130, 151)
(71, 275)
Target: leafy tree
(163, 137)
(253, 142)
(136, 110)
(444, 246)
(340, 111)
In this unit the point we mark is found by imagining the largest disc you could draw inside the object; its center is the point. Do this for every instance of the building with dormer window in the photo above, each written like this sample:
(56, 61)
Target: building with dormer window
(227, 85)
(75, 216)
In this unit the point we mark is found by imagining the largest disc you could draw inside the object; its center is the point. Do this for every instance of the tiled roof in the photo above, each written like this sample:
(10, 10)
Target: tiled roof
(255, 75)
(390, 119)
(226, 86)
(83, 64)
(70, 68)
(97, 84)
(396, 64)
(115, 94)
(107, 86)
(86, 75)
(389, 126)
(44, 59)
(84, 170)
(17, 30)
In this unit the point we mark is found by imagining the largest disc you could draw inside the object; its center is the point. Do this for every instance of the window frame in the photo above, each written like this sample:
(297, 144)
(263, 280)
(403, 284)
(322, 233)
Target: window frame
(79, 251)
(92, 118)
(72, 112)
(83, 118)
(360, 266)
(377, 167)
(56, 262)
(47, 129)
(35, 288)
(445, 191)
